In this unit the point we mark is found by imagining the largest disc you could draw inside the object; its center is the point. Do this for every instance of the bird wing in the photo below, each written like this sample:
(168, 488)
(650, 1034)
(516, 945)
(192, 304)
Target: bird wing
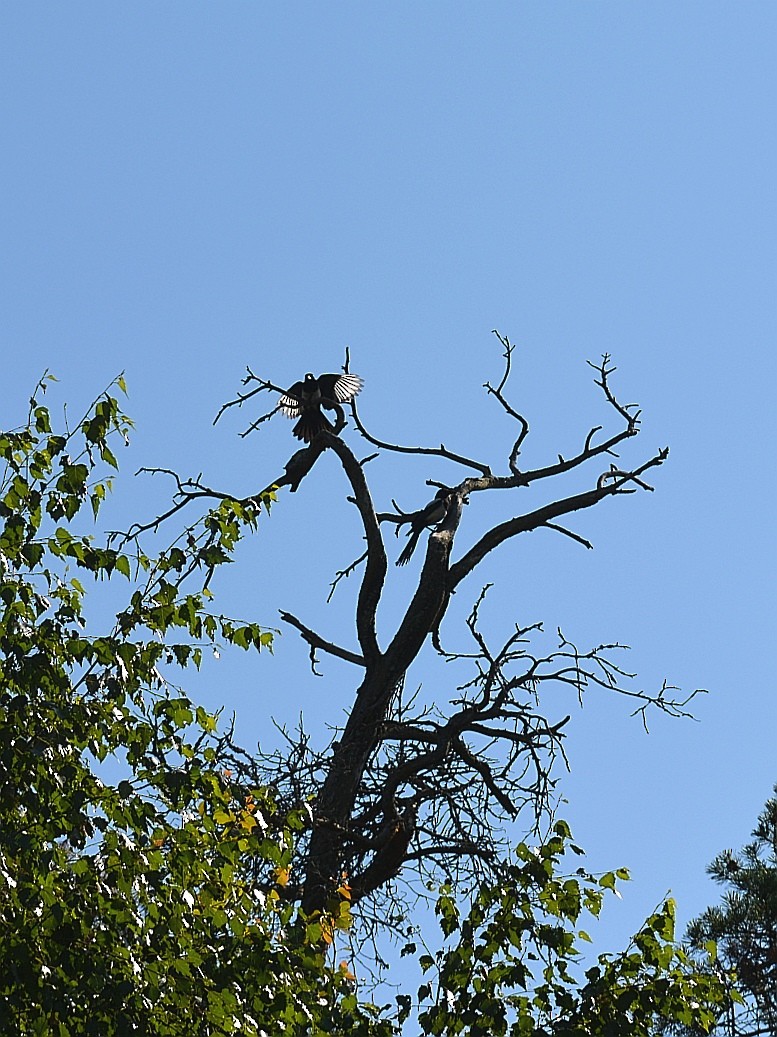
(434, 512)
(339, 387)
(289, 402)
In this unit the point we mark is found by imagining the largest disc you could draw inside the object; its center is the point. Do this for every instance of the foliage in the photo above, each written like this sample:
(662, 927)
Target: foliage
(125, 905)
(145, 882)
(509, 965)
(744, 926)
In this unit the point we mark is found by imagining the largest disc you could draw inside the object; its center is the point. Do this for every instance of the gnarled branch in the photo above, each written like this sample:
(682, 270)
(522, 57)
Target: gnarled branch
(317, 642)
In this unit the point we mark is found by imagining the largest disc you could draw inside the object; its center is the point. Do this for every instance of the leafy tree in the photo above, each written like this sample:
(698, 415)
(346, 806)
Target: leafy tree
(744, 926)
(512, 965)
(125, 907)
(157, 879)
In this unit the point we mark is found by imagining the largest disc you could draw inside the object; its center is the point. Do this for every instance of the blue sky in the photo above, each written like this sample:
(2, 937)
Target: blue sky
(190, 188)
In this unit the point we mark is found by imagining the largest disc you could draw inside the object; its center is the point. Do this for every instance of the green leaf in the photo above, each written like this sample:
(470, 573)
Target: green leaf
(107, 455)
(42, 420)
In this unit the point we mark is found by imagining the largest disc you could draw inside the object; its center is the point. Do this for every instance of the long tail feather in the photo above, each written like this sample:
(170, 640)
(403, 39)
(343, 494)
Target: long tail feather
(310, 424)
(407, 553)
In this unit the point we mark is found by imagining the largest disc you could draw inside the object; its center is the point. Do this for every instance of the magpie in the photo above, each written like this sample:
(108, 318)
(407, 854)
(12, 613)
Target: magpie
(432, 515)
(305, 399)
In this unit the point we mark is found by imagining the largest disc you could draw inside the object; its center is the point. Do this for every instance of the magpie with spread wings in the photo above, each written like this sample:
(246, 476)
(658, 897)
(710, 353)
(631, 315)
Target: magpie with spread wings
(305, 399)
(432, 515)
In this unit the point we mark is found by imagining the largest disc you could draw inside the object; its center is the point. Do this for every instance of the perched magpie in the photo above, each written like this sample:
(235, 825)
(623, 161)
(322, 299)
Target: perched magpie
(305, 399)
(432, 515)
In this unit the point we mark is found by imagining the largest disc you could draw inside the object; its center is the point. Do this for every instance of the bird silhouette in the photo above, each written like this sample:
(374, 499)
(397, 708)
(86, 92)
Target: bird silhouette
(432, 515)
(305, 399)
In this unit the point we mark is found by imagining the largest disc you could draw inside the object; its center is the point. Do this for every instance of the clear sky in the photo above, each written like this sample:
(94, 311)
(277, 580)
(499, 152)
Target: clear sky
(187, 188)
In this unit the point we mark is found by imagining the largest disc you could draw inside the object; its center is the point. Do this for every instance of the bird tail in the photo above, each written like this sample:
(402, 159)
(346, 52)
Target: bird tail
(407, 553)
(310, 424)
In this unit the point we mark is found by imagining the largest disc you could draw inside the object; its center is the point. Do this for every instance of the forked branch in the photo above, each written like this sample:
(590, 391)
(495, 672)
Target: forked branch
(433, 781)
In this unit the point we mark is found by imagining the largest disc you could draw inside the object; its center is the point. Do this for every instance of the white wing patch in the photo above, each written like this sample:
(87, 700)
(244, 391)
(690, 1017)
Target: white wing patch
(347, 386)
(289, 405)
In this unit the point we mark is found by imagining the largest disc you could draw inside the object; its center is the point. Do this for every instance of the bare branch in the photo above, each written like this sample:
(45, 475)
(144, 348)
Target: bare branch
(242, 398)
(464, 849)
(440, 451)
(479, 765)
(401, 732)
(344, 574)
(569, 533)
(259, 421)
(375, 570)
(432, 781)
(523, 523)
(616, 474)
(187, 490)
(316, 641)
(497, 392)
(605, 370)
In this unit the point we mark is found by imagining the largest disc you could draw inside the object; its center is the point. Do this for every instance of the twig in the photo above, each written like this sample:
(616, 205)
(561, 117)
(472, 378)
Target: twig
(569, 533)
(623, 409)
(497, 392)
(316, 641)
(440, 451)
(243, 397)
(259, 421)
(341, 573)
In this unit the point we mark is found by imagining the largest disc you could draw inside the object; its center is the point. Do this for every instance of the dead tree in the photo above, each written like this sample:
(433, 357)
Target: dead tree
(429, 786)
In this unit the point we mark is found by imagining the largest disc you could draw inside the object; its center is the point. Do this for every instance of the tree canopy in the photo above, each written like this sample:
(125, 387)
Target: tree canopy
(125, 906)
(157, 878)
(743, 926)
